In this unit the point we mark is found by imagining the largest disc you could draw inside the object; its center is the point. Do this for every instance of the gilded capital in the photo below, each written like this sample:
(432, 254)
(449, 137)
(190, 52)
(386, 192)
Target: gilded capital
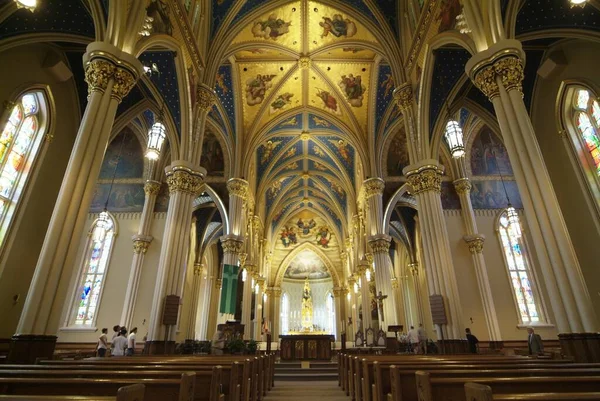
(277, 291)
(414, 268)
(395, 283)
(141, 243)
(151, 187)
(338, 292)
(403, 95)
(232, 244)
(485, 80)
(181, 179)
(510, 71)
(198, 269)
(475, 243)
(124, 81)
(369, 258)
(238, 187)
(380, 244)
(97, 74)
(218, 283)
(424, 179)
(205, 96)
(243, 256)
(463, 186)
(351, 281)
(374, 186)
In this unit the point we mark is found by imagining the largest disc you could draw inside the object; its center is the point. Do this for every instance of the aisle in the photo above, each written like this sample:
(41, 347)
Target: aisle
(306, 390)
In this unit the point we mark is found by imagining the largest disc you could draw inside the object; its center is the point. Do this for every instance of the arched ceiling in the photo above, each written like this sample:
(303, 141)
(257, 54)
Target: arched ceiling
(305, 78)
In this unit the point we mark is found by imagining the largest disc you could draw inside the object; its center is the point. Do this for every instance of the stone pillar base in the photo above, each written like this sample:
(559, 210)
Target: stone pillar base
(26, 348)
(583, 347)
(450, 347)
(159, 347)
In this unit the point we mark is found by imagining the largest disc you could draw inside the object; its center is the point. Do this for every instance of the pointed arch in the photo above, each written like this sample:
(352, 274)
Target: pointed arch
(281, 269)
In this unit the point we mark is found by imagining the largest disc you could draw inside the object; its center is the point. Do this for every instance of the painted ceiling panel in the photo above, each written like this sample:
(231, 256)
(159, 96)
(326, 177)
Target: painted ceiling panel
(278, 187)
(268, 151)
(344, 152)
(287, 97)
(385, 89)
(536, 15)
(215, 114)
(220, 8)
(292, 123)
(320, 123)
(224, 89)
(332, 214)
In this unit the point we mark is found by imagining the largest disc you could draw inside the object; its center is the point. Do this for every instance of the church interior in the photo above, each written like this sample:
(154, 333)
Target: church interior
(300, 180)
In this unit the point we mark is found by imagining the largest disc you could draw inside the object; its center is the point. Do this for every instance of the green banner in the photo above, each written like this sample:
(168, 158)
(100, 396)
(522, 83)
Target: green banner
(229, 289)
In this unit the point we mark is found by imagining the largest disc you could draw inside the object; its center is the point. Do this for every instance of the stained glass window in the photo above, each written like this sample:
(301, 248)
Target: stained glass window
(285, 313)
(518, 268)
(587, 121)
(330, 313)
(93, 271)
(22, 134)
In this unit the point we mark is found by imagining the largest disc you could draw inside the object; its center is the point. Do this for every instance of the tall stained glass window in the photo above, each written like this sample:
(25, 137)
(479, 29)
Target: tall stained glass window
(587, 121)
(521, 277)
(330, 313)
(20, 142)
(285, 313)
(95, 264)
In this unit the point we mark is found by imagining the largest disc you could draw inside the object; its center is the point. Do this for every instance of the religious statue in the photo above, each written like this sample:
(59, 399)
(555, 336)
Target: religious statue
(380, 297)
(307, 308)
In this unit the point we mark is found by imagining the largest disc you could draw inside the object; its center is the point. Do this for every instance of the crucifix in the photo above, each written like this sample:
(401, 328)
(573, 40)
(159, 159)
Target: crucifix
(380, 299)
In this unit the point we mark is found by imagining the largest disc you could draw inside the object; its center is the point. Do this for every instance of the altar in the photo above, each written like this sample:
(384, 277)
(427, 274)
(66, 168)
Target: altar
(306, 346)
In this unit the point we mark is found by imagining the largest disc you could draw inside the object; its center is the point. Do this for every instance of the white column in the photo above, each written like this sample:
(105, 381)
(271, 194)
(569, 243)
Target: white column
(195, 296)
(141, 242)
(418, 296)
(247, 302)
(338, 293)
(203, 310)
(276, 321)
(258, 307)
(365, 296)
(110, 74)
(184, 182)
(475, 242)
(425, 178)
(352, 310)
(498, 73)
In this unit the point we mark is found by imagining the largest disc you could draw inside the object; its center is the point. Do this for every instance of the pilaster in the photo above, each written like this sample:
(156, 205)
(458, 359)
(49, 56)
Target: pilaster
(380, 245)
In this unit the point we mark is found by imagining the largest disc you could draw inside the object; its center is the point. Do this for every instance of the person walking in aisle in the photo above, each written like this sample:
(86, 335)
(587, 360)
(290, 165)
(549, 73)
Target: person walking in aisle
(117, 330)
(120, 343)
(422, 339)
(131, 342)
(536, 346)
(413, 338)
(472, 340)
(102, 343)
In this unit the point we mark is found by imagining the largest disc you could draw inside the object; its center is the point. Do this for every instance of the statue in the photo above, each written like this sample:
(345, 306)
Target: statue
(380, 299)
(307, 308)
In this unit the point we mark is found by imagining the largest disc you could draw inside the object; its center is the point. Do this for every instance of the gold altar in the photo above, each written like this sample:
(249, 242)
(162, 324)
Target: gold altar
(306, 346)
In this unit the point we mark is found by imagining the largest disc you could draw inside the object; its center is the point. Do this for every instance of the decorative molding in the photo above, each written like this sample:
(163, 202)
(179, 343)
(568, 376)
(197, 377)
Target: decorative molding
(232, 244)
(238, 187)
(425, 179)
(206, 97)
(422, 32)
(463, 186)
(510, 71)
(403, 95)
(507, 66)
(338, 292)
(97, 74)
(395, 283)
(380, 244)
(141, 243)
(304, 63)
(414, 268)
(181, 179)
(485, 80)
(198, 269)
(124, 81)
(475, 242)
(188, 36)
(277, 292)
(152, 187)
(374, 186)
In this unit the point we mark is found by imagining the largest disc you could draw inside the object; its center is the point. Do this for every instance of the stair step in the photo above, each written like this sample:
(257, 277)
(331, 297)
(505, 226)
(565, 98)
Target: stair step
(306, 377)
(311, 370)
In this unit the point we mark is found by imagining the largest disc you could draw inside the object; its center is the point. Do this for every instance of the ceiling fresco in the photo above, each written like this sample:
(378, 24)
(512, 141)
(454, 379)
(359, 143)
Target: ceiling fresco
(307, 265)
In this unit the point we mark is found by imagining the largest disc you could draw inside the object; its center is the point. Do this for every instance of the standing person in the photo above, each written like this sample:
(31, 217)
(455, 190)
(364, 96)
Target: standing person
(102, 343)
(218, 342)
(131, 342)
(422, 339)
(413, 338)
(117, 330)
(120, 343)
(536, 347)
(472, 340)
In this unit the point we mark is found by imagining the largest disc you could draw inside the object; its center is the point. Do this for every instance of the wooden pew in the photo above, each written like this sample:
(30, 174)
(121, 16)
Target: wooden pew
(181, 389)
(400, 381)
(480, 392)
(134, 392)
(446, 389)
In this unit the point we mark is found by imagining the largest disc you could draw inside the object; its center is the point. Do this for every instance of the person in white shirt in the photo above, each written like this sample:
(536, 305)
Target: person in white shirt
(117, 330)
(120, 343)
(413, 337)
(131, 342)
(102, 343)
(422, 339)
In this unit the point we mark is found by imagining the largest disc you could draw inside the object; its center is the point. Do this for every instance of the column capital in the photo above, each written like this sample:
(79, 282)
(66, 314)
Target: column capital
(218, 283)
(475, 242)
(424, 176)
(362, 267)
(141, 243)
(232, 244)
(502, 62)
(351, 281)
(152, 187)
(277, 292)
(463, 186)
(205, 96)
(380, 243)
(414, 268)
(238, 187)
(243, 256)
(181, 177)
(395, 283)
(374, 186)
(198, 268)
(251, 268)
(338, 292)
(369, 258)
(403, 95)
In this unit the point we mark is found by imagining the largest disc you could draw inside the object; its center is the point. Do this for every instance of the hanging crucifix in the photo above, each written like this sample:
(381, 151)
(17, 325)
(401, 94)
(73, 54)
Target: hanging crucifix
(380, 299)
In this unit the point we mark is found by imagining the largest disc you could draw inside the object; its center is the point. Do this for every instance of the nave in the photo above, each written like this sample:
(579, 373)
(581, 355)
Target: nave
(306, 390)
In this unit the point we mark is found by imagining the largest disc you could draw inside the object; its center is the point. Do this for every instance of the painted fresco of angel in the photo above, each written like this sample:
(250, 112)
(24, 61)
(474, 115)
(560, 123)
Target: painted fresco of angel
(268, 151)
(388, 84)
(342, 148)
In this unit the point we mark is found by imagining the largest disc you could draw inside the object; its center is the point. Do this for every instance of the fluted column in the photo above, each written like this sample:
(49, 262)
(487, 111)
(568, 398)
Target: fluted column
(425, 178)
(352, 310)
(205, 98)
(365, 295)
(276, 313)
(110, 74)
(233, 246)
(247, 301)
(475, 243)
(338, 293)
(418, 296)
(141, 242)
(213, 311)
(203, 309)
(195, 296)
(184, 181)
(498, 73)
(258, 306)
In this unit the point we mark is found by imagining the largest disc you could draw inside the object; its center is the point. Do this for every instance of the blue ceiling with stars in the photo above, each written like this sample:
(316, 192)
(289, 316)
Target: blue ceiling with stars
(537, 15)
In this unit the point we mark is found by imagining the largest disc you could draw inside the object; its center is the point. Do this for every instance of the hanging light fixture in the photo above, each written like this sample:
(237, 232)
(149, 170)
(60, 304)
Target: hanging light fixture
(28, 4)
(454, 137)
(511, 213)
(578, 3)
(156, 138)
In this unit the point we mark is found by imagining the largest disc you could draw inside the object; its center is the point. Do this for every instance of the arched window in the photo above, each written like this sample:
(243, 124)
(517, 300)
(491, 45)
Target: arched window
(520, 274)
(587, 121)
(20, 142)
(285, 313)
(93, 271)
(330, 313)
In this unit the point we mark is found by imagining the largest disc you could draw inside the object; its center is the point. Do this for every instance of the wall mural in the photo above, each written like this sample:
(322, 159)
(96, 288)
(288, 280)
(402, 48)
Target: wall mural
(397, 157)
(307, 265)
(449, 10)
(305, 226)
(212, 156)
(490, 195)
(124, 198)
(485, 146)
(271, 28)
(450, 199)
(131, 162)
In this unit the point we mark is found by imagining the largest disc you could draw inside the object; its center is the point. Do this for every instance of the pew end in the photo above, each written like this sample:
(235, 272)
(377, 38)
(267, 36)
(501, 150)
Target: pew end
(478, 392)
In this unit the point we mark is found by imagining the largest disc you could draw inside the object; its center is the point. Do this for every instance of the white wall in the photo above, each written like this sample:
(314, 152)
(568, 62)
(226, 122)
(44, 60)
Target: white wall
(319, 289)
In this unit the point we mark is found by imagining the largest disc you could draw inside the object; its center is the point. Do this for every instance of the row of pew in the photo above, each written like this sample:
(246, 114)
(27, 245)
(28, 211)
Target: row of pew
(465, 377)
(165, 378)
